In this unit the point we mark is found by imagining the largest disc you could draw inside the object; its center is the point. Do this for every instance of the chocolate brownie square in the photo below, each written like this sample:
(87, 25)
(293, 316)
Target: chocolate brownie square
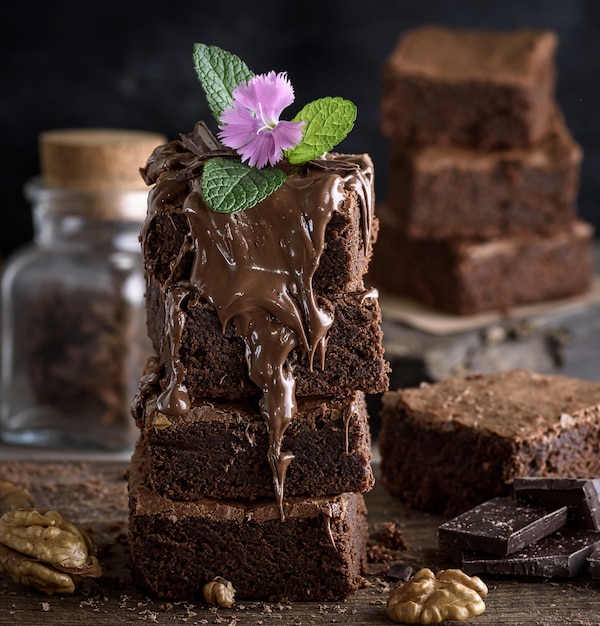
(329, 438)
(466, 277)
(438, 192)
(448, 446)
(475, 88)
(340, 187)
(214, 363)
(315, 554)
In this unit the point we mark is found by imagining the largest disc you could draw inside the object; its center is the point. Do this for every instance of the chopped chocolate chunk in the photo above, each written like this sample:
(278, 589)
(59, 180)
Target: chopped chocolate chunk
(501, 526)
(580, 495)
(564, 553)
(594, 563)
(400, 571)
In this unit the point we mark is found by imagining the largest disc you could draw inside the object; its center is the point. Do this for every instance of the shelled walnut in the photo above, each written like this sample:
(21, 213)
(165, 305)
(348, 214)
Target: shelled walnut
(219, 592)
(430, 599)
(39, 548)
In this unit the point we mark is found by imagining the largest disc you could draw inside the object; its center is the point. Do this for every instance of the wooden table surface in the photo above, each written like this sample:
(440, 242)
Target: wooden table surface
(92, 494)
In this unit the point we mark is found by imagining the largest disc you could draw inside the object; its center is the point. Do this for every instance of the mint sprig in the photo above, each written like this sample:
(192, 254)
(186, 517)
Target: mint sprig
(219, 72)
(229, 186)
(328, 121)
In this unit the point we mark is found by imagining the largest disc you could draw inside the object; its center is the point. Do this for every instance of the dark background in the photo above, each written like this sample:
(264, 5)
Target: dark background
(129, 64)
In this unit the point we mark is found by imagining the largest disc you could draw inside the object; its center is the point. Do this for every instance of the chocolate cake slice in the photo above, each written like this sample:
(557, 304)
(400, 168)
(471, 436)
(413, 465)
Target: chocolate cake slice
(448, 446)
(212, 359)
(329, 438)
(440, 192)
(467, 277)
(176, 547)
(475, 88)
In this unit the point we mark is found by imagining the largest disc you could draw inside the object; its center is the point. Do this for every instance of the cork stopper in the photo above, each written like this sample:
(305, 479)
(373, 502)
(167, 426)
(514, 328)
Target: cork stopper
(95, 159)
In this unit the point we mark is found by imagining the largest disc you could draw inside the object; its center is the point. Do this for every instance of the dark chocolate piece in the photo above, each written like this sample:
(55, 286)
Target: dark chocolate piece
(564, 553)
(501, 526)
(594, 563)
(580, 495)
(400, 571)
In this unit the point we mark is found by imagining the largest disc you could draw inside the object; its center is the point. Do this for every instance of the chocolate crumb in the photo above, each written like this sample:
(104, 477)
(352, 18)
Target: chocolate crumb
(400, 572)
(390, 536)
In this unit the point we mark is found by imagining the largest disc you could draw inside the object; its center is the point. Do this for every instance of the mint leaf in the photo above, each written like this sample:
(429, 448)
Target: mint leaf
(229, 186)
(219, 72)
(328, 121)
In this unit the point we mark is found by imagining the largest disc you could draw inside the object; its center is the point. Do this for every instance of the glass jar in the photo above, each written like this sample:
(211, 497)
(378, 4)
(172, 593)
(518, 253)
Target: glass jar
(74, 339)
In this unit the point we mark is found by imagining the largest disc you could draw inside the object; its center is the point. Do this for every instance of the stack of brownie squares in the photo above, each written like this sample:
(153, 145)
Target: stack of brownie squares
(480, 213)
(202, 497)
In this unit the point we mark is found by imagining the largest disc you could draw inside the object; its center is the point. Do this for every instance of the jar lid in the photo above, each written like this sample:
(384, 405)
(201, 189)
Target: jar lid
(96, 159)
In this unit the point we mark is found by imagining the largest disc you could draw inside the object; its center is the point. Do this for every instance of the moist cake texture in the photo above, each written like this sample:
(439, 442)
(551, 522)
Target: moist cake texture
(448, 446)
(213, 362)
(507, 79)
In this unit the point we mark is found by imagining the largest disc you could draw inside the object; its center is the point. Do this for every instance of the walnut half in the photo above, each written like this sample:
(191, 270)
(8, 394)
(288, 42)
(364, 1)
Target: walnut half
(430, 599)
(41, 549)
(219, 592)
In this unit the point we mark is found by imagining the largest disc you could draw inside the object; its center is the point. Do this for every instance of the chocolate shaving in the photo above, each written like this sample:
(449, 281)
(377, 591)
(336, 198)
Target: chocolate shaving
(183, 159)
(336, 165)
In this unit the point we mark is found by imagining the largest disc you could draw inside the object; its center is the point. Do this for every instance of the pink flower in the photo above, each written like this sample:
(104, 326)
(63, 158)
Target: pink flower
(252, 126)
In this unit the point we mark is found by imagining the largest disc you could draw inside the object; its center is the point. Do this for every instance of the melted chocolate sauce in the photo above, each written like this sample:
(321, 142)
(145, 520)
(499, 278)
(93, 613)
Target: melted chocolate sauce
(255, 267)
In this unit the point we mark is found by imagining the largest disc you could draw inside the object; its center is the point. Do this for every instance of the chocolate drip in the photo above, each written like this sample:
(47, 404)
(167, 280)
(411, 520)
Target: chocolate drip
(149, 383)
(174, 400)
(255, 267)
(349, 414)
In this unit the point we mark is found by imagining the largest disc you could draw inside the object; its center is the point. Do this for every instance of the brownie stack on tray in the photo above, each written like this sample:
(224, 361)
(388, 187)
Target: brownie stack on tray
(259, 484)
(481, 206)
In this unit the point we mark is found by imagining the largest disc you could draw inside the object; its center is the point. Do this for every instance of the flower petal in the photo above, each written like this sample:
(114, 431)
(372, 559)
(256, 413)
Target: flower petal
(251, 125)
(239, 127)
(270, 93)
(288, 134)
